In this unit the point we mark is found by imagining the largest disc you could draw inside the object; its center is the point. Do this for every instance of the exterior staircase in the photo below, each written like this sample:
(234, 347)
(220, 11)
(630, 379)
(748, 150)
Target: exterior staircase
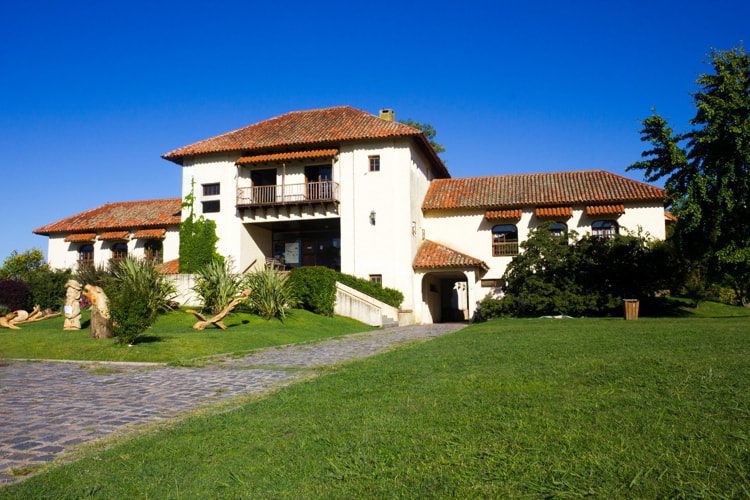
(369, 310)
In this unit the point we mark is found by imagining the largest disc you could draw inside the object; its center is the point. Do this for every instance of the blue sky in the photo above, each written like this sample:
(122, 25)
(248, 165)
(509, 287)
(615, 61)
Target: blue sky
(92, 93)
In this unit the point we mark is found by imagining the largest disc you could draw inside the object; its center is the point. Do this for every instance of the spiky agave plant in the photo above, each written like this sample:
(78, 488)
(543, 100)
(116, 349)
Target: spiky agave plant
(271, 293)
(216, 284)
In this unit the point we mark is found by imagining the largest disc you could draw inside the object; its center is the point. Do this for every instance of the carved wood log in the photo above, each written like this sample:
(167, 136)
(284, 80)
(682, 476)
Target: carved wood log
(217, 319)
(101, 322)
(7, 321)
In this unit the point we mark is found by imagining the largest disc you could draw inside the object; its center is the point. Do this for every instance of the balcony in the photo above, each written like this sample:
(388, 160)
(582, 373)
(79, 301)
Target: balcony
(288, 194)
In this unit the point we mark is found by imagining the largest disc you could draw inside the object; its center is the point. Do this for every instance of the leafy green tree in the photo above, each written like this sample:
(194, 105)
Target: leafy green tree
(47, 285)
(429, 132)
(707, 172)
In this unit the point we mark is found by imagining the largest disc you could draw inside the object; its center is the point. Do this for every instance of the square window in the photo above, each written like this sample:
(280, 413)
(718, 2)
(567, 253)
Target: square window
(377, 278)
(374, 163)
(210, 207)
(213, 189)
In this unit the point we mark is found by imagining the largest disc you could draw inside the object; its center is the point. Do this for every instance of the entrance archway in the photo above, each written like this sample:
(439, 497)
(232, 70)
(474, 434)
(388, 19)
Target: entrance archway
(445, 295)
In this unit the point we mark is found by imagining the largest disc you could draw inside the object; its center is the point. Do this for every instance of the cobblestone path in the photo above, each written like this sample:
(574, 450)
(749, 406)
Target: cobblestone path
(47, 408)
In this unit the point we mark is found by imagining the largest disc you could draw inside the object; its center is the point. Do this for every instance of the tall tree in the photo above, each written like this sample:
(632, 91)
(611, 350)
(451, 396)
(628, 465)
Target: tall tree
(429, 132)
(707, 171)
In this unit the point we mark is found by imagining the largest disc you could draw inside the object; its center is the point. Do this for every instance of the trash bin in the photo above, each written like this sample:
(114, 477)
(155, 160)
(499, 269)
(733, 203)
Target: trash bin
(631, 308)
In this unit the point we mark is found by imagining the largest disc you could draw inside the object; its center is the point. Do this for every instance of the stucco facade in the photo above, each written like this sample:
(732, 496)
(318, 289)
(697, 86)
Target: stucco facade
(362, 194)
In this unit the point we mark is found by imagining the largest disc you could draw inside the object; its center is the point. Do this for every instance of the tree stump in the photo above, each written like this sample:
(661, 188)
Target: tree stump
(101, 322)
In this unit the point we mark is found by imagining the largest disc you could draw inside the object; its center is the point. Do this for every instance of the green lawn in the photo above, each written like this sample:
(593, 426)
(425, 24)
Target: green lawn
(604, 407)
(172, 338)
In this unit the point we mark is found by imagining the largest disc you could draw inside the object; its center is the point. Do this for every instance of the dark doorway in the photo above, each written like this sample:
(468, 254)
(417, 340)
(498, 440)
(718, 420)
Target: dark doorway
(265, 177)
(318, 185)
(307, 243)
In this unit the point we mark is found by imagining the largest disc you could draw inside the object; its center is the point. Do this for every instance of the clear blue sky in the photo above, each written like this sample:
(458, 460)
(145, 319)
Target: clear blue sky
(91, 93)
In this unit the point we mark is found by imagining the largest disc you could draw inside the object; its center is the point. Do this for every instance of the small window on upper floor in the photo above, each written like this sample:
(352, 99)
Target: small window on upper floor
(374, 163)
(558, 229)
(213, 189)
(377, 278)
(604, 228)
(211, 207)
(504, 240)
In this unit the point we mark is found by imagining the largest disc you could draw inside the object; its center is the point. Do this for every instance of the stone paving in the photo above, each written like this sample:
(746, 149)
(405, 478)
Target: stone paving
(47, 408)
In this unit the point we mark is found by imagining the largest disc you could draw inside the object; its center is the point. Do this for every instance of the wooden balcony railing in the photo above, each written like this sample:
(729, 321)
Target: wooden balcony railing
(285, 194)
(504, 248)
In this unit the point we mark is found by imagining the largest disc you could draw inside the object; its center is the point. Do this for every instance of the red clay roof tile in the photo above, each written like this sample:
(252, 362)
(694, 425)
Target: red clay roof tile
(170, 267)
(556, 188)
(81, 238)
(433, 255)
(554, 212)
(145, 234)
(114, 235)
(122, 215)
(327, 126)
(508, 214)
(616, 209)
(291, 155)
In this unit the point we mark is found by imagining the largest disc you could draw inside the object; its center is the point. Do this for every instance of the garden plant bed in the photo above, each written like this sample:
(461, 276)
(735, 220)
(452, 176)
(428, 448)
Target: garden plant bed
(604, 407)
(172, 338)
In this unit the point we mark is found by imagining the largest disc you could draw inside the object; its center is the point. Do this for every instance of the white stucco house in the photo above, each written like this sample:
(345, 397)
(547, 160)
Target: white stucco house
(365, 195)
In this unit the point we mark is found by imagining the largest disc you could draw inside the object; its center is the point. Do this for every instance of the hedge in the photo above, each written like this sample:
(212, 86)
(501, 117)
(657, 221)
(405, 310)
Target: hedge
(315, 288)
(14, 294)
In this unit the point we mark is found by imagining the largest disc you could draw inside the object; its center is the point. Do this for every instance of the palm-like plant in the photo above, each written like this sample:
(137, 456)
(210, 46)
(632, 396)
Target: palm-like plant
(272, 294)
(142, 278)
(216, 284)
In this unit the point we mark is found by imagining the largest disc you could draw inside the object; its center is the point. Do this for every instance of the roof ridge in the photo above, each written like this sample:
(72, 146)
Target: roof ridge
(529, 174)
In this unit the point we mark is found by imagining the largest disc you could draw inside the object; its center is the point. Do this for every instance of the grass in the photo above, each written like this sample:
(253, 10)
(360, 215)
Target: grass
(172, 338)
(604, 407)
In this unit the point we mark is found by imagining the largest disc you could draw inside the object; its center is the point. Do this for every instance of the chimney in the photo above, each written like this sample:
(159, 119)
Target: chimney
(388, 115)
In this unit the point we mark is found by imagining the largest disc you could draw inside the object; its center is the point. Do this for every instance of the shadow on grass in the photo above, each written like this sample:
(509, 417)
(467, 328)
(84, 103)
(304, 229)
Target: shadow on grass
(149, 339)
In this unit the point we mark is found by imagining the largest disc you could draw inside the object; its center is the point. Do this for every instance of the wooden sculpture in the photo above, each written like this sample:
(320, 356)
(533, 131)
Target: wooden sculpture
(101, 321)
(216, 320)
(72, 307)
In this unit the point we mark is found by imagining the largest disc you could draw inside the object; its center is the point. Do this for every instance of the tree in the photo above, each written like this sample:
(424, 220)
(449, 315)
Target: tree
(429, 132)
(707, 172)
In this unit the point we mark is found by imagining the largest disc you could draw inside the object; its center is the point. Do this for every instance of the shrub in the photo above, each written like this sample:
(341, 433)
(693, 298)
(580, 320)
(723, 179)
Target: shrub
(14, 294)
(315, 288)
(489, 308)
(217, 285)
(197, 239)
(47, 286)
(272, 294)
(588, 276)
(137, 292)
(390, 296)
(94, 275)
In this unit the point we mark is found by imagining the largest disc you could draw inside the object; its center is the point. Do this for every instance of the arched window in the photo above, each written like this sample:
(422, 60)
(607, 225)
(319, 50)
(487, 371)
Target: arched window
(558, 229)
(152, 250)
(504, 240)
(604, 228)
(119, 251)
(86, 255)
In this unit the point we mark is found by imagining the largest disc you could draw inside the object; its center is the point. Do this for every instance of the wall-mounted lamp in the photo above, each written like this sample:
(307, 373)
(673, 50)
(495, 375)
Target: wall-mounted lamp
(413, 228)
(372, 217)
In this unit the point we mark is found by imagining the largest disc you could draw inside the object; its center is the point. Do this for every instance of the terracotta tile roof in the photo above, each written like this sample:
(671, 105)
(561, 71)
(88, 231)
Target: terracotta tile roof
(433, 255)
(114, 235)
(605, 209)
(121, 215)
(554, 212)
(81, 238)
(291, 155)
(508, 214)
(670, 216)
(146, 234)
(327, 126)
(170, 267)
(557, 188)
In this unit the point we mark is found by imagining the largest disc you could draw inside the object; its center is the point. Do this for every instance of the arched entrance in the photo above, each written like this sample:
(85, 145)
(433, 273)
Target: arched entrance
(445, 295)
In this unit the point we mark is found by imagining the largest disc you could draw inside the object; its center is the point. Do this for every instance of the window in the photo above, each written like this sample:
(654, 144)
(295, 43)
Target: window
(374, 163)
(377, 278)
(210, 207)
(119, 251)
(152, 250)
(211, 189)
(558, 229)
(604, 228)
(504, 240)
(491, 283)
(86, 254)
